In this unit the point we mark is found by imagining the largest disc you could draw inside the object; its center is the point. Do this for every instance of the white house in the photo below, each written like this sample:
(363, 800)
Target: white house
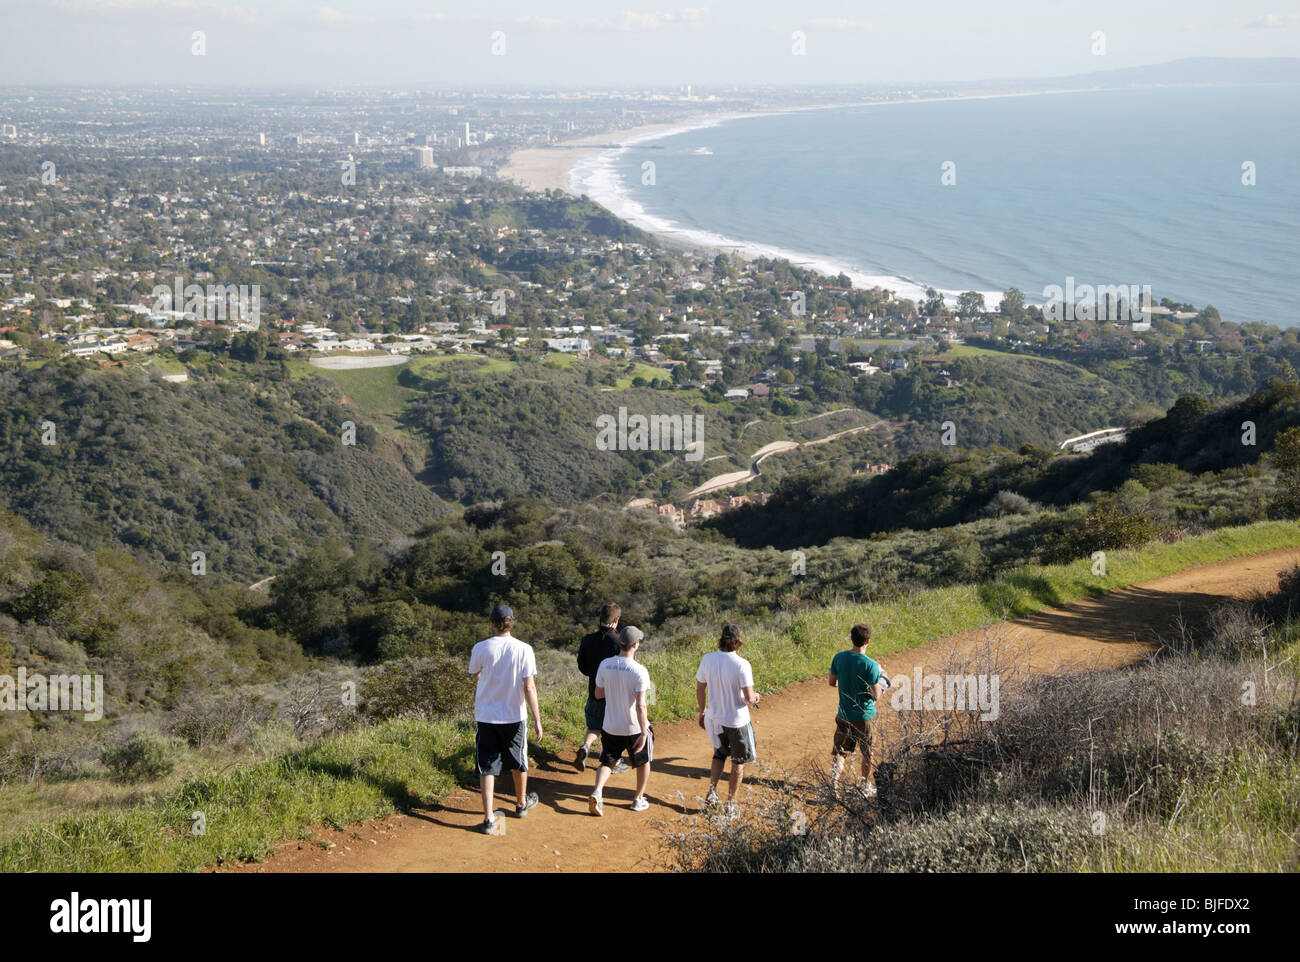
(568, 345)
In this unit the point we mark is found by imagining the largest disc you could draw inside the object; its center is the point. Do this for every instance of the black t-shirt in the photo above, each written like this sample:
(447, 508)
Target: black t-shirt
(592, 650)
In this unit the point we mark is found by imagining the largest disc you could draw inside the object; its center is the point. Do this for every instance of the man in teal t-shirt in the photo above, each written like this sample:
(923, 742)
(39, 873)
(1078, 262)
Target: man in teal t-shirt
(858, 679)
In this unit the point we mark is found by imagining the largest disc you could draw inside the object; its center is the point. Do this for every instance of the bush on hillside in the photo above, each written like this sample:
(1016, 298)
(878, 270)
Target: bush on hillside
(422, 687)
(145, 756)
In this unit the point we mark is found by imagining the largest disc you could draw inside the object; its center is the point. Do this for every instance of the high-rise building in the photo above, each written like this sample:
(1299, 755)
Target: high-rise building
(465, 137)
(423, 157)
(261, 140)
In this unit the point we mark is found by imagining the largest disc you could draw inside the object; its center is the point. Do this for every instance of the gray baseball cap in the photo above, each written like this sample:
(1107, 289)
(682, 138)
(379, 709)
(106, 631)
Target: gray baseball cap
(629, 636)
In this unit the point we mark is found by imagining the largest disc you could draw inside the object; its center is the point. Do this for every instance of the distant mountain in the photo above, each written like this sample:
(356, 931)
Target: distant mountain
(1193, 70)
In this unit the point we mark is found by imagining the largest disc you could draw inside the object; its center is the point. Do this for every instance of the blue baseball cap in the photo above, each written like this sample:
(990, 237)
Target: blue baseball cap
(501, 613)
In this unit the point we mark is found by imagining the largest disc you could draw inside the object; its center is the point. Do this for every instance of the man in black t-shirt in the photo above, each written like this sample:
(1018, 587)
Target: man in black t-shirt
(592, 650)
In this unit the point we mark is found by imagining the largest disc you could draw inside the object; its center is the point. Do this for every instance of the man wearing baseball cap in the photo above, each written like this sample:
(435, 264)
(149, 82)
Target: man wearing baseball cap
(624, 685)
(505, 668)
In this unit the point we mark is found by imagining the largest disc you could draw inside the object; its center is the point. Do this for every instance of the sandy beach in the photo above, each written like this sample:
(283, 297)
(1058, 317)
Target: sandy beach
(547, 168)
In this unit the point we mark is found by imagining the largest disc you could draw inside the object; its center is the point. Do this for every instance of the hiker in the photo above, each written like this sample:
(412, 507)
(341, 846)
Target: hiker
(725, 692)
(505, 668)
(858, 679)
(623, 684)
(592, 650)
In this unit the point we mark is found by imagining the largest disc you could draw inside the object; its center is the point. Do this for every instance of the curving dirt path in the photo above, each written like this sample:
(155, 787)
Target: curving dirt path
(733, 478)
(792, 728)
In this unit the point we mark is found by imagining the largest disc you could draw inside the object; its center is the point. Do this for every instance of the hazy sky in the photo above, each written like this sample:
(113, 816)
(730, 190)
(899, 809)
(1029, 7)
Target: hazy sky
(621, 43)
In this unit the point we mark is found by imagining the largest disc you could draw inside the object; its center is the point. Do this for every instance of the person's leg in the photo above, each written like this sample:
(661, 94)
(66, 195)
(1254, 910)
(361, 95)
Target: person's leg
(487, 761)
(594, 713)
(715, 772)
(840, 747)
(641, 762)
(737, 776)
(521, 785)
(865, 748)
(602, 776)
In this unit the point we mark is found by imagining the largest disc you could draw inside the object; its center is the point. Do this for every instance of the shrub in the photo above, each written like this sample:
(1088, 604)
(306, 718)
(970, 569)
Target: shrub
(219, 717)
(978, 839)
(1007, 502)
(423, 687)
(144, 756)
(1159, 475)
(1104, 529)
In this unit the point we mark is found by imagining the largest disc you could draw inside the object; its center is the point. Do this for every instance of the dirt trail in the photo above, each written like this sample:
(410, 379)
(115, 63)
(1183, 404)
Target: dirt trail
(733, 478)
(792, 728)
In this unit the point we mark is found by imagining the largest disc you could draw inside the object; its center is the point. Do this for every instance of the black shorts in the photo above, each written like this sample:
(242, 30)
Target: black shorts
(737, 744)
(595, 714)
(500, 748)
(612, 748)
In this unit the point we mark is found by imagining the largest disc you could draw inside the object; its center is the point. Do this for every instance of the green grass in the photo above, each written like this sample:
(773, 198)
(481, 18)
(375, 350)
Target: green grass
(166, 365)
(373, 771)
(968, 350)
(484, 365)
(564, 361)
(1244, 821)
(248, 809)
(375, 390)
(642, 370)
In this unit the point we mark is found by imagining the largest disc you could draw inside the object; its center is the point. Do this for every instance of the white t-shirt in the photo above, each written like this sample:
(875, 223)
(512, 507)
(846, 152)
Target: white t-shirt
(621, 678)
(501, 663)
(726, 673)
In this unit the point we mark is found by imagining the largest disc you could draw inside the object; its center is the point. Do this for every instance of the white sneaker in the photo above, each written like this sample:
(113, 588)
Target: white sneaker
(595, 805)
(711, 798)
(640, 804)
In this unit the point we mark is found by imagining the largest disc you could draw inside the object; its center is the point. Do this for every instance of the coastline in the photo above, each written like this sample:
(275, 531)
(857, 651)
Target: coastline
(585, 166)
(549, 168)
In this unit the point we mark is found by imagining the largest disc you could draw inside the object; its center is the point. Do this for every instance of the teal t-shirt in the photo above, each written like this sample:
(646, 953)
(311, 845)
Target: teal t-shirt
(854, 674)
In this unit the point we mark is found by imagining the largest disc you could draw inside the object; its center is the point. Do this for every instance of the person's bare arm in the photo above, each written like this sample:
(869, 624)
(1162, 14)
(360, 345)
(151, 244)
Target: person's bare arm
(700, 689)
(874, 692)
(643, 720)
(751, 696)
(600, 692)
(530, 695)
(832, 680)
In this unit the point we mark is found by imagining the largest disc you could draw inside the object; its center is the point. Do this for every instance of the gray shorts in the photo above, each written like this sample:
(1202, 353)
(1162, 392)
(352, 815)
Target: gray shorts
(737, 744)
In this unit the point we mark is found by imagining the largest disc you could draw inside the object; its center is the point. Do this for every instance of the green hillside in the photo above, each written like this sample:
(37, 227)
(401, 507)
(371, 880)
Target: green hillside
(239, 462)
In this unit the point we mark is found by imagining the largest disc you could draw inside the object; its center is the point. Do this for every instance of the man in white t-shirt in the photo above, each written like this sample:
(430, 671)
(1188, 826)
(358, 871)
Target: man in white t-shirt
(727, 681)
(624, 685)
(505, 668)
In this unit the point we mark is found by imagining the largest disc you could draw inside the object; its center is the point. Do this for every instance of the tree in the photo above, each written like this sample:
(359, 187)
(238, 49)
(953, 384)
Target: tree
(970, 303)
(1286, 456)
(1013, 304)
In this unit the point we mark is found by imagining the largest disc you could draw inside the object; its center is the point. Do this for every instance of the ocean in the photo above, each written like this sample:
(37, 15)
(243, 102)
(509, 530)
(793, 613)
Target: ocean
(1139, 187)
